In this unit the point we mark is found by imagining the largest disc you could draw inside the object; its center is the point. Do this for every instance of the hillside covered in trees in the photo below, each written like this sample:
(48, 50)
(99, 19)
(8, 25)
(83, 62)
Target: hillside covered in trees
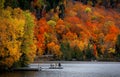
(66, 29)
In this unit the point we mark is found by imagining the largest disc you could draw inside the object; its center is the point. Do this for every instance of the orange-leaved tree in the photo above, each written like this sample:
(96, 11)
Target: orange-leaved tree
(40, 31)
(54, 49)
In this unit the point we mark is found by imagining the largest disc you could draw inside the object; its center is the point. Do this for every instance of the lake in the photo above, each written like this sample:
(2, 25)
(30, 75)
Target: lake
(71, 69)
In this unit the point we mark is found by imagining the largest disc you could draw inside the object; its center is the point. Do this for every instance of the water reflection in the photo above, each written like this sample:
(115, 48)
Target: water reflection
(72, 70)
(56, 74)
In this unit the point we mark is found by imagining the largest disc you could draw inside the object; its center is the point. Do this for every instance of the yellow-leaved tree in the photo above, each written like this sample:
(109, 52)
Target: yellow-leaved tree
(17, 47)
(11, 32)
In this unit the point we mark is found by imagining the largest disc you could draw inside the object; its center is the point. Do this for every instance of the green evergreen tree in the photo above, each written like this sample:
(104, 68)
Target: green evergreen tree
(2, 3)
(118, 46)
(65, 48)
(11, 3)
(89, 52)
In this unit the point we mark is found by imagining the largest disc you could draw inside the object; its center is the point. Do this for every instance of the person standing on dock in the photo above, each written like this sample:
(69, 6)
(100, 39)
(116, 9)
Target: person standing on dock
(59, 64)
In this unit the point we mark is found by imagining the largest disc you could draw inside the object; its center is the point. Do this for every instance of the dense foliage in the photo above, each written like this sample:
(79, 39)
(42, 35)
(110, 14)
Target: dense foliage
(16, 37)
(85, 33)
(65, 29)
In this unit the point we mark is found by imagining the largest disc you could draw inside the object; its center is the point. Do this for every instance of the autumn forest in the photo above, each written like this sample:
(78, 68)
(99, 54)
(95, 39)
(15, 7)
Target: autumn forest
(81, 30)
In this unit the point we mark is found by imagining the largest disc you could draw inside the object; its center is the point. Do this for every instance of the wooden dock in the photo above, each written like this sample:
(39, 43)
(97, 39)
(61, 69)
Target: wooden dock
(55, 67)
(34, 69)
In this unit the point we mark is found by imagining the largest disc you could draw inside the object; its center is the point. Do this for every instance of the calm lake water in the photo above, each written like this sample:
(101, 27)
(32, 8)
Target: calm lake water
(80, 69)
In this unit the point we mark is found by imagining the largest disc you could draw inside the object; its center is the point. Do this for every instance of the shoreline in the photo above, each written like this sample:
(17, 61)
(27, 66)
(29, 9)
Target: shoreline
(77, 62)
(42, 65)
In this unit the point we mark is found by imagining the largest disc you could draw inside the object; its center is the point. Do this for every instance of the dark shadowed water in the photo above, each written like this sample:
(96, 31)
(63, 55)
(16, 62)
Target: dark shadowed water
(87, 69)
